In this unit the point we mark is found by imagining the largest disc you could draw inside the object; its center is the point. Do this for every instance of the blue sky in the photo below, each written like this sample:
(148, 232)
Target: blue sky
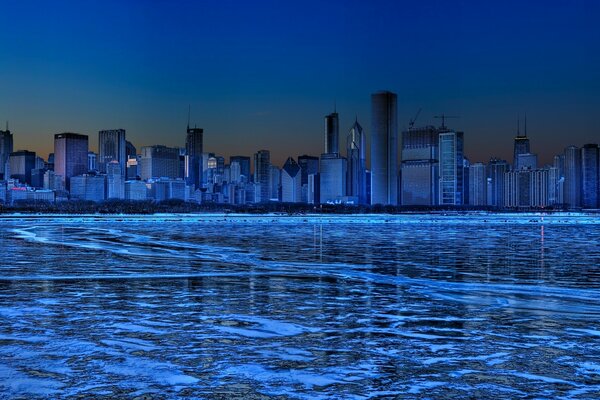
(263, 74)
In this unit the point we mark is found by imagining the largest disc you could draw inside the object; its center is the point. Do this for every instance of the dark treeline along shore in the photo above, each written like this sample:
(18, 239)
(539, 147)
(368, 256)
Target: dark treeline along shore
(182, 207)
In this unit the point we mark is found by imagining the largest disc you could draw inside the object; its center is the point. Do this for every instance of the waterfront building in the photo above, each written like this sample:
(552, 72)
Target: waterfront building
(88, 187)
(309, 165)
(115, 184)
(384, 148)
(194, 147)
(477, 184)
(159, 162)
(451, 167)
(332, 178)
(135, 190)
(262, 175)
(526, 161)
(70, 155)
(521, 146)
(112, 147)
(332, 133)
(572, 174)
(291, 183)
(357, 165)
(6, 147)
(21, 163)
(590, 176)
(496, 169)
(419, 166)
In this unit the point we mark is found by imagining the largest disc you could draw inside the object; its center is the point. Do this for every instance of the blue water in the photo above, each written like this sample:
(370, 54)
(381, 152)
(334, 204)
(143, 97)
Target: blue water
(300, 307)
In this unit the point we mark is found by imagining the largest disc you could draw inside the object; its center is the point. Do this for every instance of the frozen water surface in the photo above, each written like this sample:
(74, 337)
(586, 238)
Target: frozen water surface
(222, 306)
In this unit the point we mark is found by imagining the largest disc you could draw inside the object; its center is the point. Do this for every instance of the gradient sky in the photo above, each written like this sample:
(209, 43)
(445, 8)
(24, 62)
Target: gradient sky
(263, 74)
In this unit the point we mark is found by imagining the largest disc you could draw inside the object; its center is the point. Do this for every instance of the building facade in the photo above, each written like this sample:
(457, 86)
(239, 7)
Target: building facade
(384, 148)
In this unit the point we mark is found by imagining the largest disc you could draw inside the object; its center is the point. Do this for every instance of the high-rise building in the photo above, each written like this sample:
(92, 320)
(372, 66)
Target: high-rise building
(262, 166)
(291, 182)
(194, 146)
(496, 169)
(309, 165)
(112, 147)
(521, 146)
(159, 162)
(275, 183)
(115, 184)
(419, 184)
(332, 133)
(590, 155)
(135, 190)
(6, 147)
(384, 148)
(130, 150)
(451, 168)
(70, 156)
(356, 148)
(572, 191)
(477, 184)
(526, 161)
(88, 187)
(332, 178)
(21, 163)
(244, 163)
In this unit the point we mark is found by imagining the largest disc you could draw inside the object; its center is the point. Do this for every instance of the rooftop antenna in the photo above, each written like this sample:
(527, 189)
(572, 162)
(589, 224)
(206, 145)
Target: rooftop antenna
(525, 124)
(443, 117)
(189, 110)
(518, 125)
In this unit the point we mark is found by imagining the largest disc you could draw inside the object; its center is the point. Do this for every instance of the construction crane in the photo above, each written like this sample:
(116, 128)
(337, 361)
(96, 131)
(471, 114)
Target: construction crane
(443, 118)
(411, 123)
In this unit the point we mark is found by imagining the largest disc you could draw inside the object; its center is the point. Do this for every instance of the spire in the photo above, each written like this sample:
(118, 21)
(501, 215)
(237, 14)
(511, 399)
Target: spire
(189, 110)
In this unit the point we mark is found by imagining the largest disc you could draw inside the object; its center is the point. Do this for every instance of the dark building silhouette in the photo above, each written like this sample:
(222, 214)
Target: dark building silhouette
(70, 156)
(384, 148)
(589, 176)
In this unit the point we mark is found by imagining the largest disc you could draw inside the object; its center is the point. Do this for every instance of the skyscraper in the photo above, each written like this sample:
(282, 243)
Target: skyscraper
(332, 133)
(590, 155)
(419, 185)
(70, 156)
(112, 147)
(262, 166)
(332, 178)
(21, 163)
(159, 162)
(115, 183)
(244, 163)
(6, 147)
(496, 170)
(356, 185)
(521, 146)
(572, 188)
(384, 148)
(477, 184)
(291, 183)
(451, 181)
(193, 149)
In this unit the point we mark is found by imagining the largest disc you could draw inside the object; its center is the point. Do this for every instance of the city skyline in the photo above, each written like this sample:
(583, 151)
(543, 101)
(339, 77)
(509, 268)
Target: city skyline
(258, 83)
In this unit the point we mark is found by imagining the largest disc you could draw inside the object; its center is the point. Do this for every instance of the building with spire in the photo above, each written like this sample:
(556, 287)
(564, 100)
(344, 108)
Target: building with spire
(356, 174)
(6, 147)
(194, 146)
(332, 133)
(521, 145)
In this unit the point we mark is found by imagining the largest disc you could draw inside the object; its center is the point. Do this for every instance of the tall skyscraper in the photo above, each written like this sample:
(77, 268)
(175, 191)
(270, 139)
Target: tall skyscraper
(477, 184)
(521, 146)
(159, 162)
(291, 183)
(384, 148)
(572, 191)
(496, 170)
(309, 165)
(21, 163)
(419, 185)
(262, 166)
(193, 149)
(70, 156)
(590, 155)
(244, 163)
(451, 181)
(6, 147)
(112, 147)
(275, 183)
(115, 183)
(332, 133)
(332, 178)
(356, 148)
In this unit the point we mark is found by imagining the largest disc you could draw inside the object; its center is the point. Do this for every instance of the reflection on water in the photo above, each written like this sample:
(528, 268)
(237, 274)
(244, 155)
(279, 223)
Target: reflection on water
(308, 308)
